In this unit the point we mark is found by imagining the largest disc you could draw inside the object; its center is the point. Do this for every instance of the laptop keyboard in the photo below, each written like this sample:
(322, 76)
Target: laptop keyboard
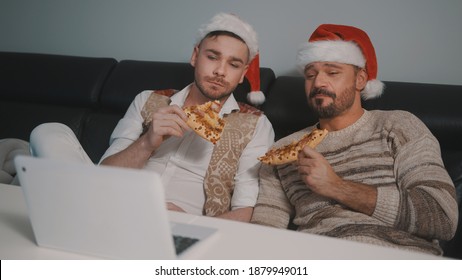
(182, 243)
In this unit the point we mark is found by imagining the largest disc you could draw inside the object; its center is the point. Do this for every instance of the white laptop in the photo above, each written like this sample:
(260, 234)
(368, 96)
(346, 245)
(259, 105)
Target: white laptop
(109, 212)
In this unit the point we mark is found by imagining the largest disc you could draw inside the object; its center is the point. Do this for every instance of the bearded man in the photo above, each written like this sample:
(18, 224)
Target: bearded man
(377, 177)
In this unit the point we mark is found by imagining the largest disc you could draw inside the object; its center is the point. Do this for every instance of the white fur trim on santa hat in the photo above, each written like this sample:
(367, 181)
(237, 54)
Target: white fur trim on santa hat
(334, 51)
(373, 89)
(233, 24)
(256, 97)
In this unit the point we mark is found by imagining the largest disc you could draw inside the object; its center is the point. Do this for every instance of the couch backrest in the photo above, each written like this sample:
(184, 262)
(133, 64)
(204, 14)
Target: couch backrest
(130, 77)
(53, 79)
(38, 88)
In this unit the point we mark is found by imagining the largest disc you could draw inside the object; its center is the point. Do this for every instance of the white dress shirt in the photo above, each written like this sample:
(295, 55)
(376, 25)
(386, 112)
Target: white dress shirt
(183, 162)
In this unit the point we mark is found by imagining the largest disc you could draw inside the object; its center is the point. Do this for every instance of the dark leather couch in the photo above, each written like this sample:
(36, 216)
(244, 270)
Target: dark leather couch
(90, 95)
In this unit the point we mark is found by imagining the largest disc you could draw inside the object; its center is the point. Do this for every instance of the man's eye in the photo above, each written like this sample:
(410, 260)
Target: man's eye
(212, 57)
(309, 76)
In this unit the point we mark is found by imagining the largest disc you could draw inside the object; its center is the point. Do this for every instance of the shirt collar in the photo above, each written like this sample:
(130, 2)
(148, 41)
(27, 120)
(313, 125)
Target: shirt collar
(227, 108)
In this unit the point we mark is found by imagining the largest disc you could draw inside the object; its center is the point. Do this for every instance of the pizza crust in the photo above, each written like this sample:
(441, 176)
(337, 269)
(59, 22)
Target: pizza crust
(289, 153)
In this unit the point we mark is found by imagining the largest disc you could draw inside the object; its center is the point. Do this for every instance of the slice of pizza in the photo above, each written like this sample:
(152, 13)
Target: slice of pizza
(289, 153)
(205, 120)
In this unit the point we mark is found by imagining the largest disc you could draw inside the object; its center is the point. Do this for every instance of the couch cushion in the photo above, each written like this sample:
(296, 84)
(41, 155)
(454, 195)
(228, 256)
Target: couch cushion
(130, 77)
(19, 118)
(53, 79)
(286, 106)
(97, 130)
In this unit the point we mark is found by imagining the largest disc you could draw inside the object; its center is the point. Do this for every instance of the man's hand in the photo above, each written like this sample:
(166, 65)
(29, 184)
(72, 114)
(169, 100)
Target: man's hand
(241, 214)
(321, 178)
(167, 121)
(173, 207)
(317, 173)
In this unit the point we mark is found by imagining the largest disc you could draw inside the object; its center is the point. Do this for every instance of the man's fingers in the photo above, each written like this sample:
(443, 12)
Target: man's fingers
(173, 110)
(308, 152)
(171, 116)
(216, 107)
(168, 127)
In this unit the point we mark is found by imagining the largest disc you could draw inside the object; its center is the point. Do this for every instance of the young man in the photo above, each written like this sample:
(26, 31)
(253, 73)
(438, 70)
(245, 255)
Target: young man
(199, 177)
(377, 177)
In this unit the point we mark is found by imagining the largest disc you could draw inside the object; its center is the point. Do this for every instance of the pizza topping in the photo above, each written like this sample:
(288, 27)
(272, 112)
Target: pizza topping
(289, 153)
(205, 121)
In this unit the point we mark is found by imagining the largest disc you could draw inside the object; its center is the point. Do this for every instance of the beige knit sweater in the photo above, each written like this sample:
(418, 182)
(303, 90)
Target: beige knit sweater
(391, 150)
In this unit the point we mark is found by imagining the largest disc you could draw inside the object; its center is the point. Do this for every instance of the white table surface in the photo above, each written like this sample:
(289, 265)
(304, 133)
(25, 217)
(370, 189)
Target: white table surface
(233, 240)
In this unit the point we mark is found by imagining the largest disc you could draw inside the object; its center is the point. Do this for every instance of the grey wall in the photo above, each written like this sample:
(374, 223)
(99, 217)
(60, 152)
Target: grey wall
(415, 40)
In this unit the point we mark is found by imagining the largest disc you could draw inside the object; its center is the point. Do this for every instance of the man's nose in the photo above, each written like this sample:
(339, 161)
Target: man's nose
(220, 69)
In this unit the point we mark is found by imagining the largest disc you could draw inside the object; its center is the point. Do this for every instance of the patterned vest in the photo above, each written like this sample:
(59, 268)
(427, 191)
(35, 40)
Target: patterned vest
(237, 133)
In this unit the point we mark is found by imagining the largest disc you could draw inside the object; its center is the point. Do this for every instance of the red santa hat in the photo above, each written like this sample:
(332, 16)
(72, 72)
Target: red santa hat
(255, 96)
(232, 23)
(343, 44)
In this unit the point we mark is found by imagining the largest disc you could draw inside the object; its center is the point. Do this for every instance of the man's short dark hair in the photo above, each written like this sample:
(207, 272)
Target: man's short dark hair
(222, 32)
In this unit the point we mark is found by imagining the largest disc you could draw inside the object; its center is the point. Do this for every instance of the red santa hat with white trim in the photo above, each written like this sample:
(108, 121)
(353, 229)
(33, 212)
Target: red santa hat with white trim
(343, 44)
(234, 24)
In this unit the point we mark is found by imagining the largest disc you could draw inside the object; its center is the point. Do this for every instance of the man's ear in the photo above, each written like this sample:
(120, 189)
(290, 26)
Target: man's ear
(361, 79)
(246, 68)
(194, 55)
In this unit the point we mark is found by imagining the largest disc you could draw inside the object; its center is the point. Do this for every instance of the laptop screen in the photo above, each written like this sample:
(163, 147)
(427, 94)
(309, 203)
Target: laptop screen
(110, 212)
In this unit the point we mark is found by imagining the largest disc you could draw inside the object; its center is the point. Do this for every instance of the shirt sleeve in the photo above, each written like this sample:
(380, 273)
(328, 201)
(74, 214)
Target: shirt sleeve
(246, 179)
(129, 128)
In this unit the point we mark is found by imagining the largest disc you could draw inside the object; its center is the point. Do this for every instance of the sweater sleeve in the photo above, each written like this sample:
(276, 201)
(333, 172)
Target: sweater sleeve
(273, 207)
(427, 205)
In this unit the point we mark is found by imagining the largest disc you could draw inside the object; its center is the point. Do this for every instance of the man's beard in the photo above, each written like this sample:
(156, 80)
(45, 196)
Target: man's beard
(344, 102)
(209, 93)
